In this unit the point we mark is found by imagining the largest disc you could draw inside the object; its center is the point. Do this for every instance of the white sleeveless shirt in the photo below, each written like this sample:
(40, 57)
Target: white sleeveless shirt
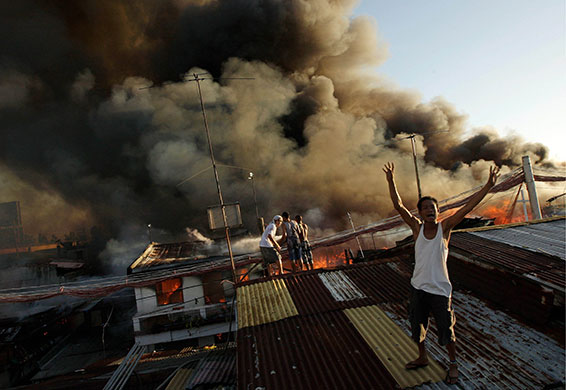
(431, 272)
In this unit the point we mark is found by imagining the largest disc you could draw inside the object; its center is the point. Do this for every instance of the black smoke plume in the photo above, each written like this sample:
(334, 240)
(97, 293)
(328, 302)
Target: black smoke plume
(85, 142)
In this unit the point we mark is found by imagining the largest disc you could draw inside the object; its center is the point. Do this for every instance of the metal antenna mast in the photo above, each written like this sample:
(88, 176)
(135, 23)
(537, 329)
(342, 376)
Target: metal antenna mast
(414, 147)
(198, 79)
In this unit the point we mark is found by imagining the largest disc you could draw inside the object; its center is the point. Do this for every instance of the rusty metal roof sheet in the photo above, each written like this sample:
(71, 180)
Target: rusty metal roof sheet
(331, 343)
(534, 265)
(543, 237)
(315, 334)
(320, 351)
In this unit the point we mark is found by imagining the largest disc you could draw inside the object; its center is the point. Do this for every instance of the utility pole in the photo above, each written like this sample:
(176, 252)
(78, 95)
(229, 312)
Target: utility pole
(524, 202)
(198, 79)
(531, 188)
(414, 147)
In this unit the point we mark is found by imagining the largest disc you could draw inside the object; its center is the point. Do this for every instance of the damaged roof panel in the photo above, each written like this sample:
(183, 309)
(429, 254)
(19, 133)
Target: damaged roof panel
(160, 254)
(521, 261)
(543, 237)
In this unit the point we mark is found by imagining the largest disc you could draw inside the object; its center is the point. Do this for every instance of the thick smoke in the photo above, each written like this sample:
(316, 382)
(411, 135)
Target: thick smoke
(81, 129)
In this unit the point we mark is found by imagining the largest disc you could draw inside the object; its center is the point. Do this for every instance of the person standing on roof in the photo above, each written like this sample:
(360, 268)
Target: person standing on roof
(431, 290)
(270, 249)
(306, 251)
(291, 233)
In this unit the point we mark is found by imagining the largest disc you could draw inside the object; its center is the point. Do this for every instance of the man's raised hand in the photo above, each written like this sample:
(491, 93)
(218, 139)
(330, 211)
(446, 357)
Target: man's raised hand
(389, 169)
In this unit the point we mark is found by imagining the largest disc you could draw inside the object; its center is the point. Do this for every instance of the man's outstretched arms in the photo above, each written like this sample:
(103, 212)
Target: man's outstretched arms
(450, 222)
(409, 218)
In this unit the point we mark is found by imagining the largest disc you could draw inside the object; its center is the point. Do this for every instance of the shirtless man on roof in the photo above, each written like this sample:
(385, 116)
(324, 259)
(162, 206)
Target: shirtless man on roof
(431, 290)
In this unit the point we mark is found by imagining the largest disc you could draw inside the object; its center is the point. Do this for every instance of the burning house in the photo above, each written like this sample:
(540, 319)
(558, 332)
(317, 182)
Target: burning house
(195, 307)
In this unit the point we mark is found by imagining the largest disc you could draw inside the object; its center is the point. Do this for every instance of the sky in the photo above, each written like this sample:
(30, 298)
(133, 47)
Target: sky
(502, 62)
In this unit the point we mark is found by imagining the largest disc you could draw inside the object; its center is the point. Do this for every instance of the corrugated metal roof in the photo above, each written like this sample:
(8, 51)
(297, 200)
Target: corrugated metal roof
(536, 265)
(218, 368)
(319, 351)
(392, 346)
(314, 335)
(264, 302)
(340, 286)
(179, 381)
(547, 237)
(498, 285)
(326, 346)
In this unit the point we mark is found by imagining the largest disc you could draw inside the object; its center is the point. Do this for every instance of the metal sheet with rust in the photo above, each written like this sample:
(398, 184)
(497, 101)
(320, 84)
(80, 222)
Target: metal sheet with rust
(517, 260)
(496, 351)
(320, 351)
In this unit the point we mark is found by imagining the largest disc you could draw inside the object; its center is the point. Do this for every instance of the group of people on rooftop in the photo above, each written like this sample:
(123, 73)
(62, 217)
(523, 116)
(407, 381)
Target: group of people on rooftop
(295, 236)
(431, 289)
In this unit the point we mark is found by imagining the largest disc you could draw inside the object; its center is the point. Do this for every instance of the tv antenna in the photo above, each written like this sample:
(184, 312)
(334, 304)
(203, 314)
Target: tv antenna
(198, 77)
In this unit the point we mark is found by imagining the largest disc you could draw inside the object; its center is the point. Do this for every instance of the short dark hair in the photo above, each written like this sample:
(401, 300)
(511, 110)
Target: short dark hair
(298, 216)
(421, 200)
(285, 214)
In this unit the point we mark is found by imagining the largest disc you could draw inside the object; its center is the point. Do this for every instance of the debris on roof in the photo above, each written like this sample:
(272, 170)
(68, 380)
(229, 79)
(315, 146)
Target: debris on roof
(165, 254)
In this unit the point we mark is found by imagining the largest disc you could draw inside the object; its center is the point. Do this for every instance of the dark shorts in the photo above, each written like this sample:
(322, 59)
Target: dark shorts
(421, 305)
(294, 249)
(306, 252)
(270, 255)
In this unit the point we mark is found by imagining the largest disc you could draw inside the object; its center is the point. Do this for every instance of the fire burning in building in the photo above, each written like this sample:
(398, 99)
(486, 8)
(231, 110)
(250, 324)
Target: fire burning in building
(505, 212)
(329, 257)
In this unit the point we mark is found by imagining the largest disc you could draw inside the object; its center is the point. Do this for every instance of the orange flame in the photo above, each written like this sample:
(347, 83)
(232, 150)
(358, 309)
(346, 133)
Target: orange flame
(328, 257)
(504, 212)
(169, 291)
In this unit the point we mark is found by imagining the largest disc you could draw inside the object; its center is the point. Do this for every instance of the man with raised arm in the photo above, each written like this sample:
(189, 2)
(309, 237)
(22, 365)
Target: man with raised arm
(431, 290)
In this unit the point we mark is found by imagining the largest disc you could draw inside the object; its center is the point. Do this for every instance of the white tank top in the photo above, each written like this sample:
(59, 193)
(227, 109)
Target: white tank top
(431, 272)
